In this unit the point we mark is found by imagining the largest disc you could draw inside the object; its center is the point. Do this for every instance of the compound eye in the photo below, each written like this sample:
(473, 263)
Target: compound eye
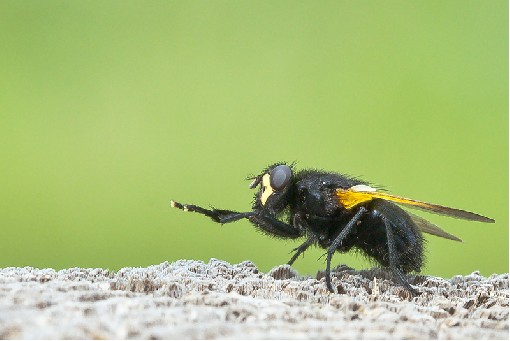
(279, 177)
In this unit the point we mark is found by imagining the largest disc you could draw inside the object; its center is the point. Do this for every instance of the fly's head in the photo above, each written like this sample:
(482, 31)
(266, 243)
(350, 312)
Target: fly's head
(274, 188)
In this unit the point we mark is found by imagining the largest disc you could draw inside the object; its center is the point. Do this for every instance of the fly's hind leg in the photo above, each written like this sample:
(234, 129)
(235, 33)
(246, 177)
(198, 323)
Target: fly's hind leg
(403, 242)
(399, 274)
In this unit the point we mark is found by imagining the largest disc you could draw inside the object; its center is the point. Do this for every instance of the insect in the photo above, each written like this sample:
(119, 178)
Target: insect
(338, 213)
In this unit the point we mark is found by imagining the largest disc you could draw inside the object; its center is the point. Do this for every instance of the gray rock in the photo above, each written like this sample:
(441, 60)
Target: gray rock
(193, 300)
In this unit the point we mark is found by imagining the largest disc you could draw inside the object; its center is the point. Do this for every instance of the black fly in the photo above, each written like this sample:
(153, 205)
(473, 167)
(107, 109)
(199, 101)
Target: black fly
(338, 213)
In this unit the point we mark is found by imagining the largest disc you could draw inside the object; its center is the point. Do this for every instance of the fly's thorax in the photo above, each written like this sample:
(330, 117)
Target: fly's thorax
(316, 197)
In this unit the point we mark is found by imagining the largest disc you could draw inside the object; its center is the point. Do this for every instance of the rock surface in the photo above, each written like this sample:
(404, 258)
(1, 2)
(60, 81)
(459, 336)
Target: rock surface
(192, 299)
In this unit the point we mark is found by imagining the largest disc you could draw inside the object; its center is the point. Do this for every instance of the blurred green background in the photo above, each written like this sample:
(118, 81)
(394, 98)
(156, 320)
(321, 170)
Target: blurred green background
(109, 109)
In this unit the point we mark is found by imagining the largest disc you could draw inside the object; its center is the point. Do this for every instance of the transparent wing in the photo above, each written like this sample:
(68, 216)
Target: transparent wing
(427, 227)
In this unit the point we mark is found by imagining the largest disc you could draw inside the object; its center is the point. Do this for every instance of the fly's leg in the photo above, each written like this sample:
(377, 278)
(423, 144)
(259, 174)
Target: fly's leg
(393, 258)
(219, 216)
(300, 249)
(266, 223)
(338, 241)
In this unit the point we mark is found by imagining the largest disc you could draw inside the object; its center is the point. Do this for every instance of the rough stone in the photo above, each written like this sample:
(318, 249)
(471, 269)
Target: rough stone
(216, 300)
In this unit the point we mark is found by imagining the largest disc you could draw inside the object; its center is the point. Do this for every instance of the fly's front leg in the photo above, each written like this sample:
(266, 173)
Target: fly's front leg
(274, 227)
(219, 216)
(266, 223)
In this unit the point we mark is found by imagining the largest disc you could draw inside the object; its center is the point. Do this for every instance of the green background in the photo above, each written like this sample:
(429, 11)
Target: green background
(109, 109)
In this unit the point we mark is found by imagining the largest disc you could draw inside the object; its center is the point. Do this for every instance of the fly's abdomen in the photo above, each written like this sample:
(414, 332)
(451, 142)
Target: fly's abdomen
(373, 235)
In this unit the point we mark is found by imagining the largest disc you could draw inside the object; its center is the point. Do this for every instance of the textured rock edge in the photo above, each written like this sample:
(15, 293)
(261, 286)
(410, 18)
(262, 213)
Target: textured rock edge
(192, 299)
